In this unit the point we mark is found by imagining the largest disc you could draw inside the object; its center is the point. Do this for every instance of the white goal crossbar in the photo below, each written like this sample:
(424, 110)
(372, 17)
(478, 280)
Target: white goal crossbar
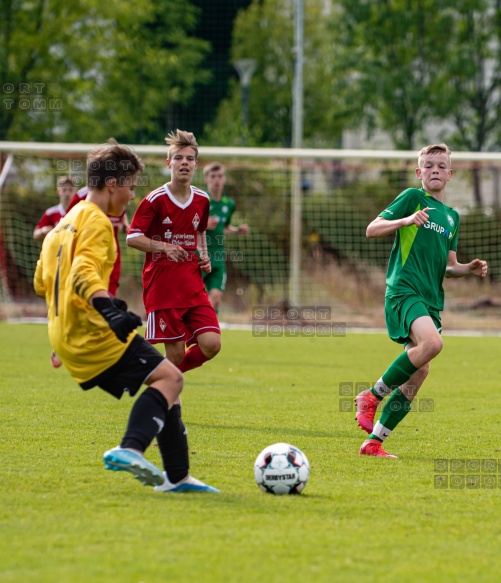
(211, 151)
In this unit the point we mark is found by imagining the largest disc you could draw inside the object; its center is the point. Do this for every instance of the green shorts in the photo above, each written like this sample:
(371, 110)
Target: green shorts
(400, 311)
(216, 279)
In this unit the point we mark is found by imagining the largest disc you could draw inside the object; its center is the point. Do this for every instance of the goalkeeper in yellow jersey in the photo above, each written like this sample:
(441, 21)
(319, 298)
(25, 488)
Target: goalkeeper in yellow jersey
(94, 334)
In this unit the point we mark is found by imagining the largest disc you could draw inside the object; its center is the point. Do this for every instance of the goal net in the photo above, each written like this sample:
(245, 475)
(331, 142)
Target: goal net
(306, 256)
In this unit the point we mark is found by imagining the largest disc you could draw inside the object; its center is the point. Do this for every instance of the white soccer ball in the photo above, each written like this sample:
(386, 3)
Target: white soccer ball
(281, 469)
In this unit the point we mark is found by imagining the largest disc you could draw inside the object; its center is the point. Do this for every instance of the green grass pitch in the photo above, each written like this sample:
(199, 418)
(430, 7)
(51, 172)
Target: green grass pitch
(65, 519)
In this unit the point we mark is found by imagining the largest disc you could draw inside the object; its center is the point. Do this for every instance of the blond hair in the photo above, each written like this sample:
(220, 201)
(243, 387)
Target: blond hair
(62, 180)
(434, 149)
(181, 139)
(213, 167)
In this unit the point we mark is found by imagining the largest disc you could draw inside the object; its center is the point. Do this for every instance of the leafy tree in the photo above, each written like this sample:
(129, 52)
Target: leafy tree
(474, 65)
(394, 54)
(473, 95)
(410, 70)
(85, 70)
(265, 32)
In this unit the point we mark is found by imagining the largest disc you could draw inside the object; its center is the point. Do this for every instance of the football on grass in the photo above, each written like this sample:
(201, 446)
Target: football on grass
(281, 469)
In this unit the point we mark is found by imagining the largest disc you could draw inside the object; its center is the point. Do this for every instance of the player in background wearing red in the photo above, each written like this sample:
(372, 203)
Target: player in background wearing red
(169, 226)
(65, 189)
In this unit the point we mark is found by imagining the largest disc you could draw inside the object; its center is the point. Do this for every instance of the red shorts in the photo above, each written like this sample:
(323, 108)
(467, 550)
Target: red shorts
(181, 324)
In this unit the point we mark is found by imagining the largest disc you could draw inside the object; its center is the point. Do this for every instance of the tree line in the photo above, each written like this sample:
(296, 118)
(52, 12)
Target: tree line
(86, 70)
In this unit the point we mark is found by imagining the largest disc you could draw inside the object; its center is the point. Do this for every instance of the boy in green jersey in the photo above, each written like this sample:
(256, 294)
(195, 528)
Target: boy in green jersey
(221, 211)
(424, 251)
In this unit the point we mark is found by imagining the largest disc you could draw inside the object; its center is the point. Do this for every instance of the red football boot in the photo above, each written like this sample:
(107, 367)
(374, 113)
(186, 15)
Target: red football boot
(367, 405)
(375, 448)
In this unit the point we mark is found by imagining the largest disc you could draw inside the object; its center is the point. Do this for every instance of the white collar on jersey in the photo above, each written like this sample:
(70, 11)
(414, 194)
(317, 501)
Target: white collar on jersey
(174, 199)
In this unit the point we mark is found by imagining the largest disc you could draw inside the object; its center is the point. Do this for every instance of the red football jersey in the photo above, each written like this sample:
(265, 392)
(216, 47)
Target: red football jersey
(161, 217)
(76, 198)
(51, 216)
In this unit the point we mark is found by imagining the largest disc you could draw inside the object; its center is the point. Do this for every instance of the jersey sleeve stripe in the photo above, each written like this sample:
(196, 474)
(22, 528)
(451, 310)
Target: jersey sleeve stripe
(155, 194)
(134, 235)
(54, 209)
(200, 192)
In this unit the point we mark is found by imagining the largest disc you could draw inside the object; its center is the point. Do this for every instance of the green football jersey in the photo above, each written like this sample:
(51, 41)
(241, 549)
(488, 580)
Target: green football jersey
(224, 210)
(419, 256)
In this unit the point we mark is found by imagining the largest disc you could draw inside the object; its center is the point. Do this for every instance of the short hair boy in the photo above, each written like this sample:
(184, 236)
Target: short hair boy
(94, 334)
(426, 238)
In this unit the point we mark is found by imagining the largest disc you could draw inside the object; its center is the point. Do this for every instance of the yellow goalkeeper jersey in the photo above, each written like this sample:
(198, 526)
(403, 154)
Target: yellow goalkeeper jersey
(76, 261)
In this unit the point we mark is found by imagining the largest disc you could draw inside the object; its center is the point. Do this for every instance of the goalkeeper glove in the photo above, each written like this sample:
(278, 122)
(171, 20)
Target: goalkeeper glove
(121, 322)
(120, 304)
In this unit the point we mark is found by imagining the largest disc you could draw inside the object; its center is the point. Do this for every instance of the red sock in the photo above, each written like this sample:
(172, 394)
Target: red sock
(193, 358)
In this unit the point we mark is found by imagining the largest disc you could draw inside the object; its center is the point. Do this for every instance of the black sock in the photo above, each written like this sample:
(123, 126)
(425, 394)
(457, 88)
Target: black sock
(173, 445)
(146, 419)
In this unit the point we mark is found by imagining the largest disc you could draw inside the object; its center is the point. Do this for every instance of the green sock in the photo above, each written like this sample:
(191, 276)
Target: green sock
(399, 371)
(395, 409)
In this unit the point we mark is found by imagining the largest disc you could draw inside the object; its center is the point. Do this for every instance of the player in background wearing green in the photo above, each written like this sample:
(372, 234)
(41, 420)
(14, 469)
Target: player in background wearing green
(218, 226)
(426, 238)
(94, 334)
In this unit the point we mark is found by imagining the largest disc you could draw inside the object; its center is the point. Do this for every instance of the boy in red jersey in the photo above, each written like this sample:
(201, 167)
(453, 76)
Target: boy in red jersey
(65, 189)
(169, 226)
